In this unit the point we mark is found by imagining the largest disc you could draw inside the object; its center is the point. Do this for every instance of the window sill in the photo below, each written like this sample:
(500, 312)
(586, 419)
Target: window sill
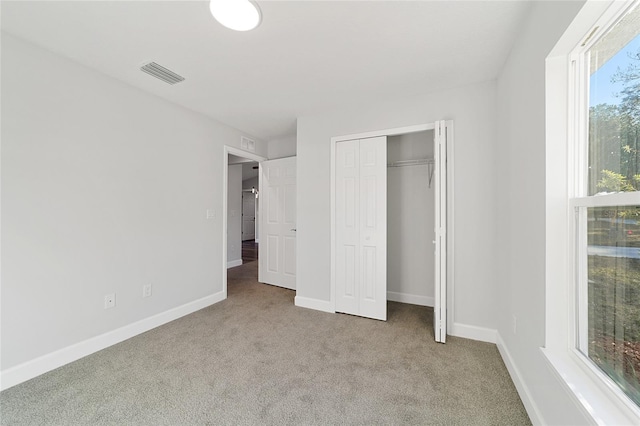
(599, 403)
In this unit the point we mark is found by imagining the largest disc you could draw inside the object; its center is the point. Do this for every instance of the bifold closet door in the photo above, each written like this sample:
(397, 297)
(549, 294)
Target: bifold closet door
(361, 227)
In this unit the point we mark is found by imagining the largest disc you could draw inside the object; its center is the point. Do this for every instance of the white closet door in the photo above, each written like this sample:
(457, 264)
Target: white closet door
(277, 248)
(347, 226)
(361, 227)
(440, 185)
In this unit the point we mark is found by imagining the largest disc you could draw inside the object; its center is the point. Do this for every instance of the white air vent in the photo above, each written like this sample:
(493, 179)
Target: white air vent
(161, 73)
(247, 144)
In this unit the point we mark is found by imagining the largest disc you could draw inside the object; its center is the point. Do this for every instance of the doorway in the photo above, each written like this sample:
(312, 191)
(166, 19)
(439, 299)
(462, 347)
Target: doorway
(241, 170)
(359, 221)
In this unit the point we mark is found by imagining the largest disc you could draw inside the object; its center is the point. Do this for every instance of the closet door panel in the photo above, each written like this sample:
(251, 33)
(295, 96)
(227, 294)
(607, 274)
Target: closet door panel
(373, 235)
(347, 227)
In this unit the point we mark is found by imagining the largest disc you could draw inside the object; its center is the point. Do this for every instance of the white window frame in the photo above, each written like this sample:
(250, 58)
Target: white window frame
(595, 393)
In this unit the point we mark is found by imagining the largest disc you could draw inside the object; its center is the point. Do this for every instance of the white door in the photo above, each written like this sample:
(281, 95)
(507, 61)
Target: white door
(248, 215)
(277, 248)
(361, 227)
(440, 185)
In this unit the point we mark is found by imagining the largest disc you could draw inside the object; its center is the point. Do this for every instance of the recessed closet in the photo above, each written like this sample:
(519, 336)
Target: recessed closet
(410, 218)
(389, 221)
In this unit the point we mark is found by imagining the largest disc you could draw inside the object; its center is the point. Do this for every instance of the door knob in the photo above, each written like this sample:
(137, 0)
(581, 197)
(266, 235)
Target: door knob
(293, 229)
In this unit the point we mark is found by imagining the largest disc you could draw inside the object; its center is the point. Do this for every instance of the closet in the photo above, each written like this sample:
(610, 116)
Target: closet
(410, 218)
(389, 221)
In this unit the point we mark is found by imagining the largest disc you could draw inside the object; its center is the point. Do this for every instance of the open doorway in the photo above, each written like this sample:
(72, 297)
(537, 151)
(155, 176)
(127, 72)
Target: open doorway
(241, 204)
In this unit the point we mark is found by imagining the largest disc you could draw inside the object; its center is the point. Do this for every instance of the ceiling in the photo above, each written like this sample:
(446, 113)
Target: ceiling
(306, 56)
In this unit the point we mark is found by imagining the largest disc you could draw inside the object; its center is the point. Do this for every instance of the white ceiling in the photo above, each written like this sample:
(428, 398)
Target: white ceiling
(305, 57)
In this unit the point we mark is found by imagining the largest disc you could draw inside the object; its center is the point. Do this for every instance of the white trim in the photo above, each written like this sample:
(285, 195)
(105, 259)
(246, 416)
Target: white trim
(412, 299)
(473, 332)
(387, 132)
(30, 369)
(225, 191)
(234, 263)
(596, 402)
(605, 200)
(316, 304)
(523, 390)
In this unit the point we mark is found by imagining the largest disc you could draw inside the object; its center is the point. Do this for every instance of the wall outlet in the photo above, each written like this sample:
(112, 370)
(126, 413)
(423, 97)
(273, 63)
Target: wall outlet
(211, 214)
(110, 301)
(146, 290)
(515, 325)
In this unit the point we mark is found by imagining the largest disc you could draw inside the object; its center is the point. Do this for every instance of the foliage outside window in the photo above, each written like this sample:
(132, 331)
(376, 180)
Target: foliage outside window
(608, 224)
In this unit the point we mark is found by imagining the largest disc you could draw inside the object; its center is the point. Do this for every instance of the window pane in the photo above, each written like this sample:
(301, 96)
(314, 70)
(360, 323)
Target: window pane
(613, 269)
(614, 109)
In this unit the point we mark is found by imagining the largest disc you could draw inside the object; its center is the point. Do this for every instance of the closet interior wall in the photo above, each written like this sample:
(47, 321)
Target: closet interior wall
(410, 220)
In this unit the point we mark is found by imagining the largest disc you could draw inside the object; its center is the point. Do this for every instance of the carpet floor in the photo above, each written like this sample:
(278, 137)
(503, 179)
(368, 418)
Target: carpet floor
(255, 358)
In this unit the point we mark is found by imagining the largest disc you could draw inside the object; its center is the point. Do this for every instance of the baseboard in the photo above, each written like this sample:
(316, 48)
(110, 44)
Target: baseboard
(521, 387)
(234, 263)
(473, 332)
(30, 369)
(318, 305)
(410, 298)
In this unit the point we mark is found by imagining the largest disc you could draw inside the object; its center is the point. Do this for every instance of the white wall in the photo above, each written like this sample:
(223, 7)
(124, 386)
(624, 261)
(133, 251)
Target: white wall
(250, 183)
(104, 188)
(410, 221)
(281, 147)
(520, 208)
(234, 216)
(473, 110)
(254, 183)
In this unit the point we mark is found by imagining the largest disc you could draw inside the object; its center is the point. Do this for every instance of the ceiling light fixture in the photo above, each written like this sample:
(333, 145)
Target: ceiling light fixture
(239, 15)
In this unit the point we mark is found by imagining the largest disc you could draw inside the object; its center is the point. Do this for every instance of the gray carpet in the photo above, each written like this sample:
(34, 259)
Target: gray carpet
(257, 359)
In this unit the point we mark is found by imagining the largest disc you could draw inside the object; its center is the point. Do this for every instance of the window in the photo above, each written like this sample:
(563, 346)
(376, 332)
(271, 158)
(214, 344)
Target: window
(606, 203)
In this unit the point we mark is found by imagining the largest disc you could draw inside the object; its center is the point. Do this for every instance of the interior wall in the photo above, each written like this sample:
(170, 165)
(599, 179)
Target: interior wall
(105, 188)
(519, 204)
(254, 183)
(282, 147)
(473, 109)
(234, 216)
(250, 183)
(410, 221)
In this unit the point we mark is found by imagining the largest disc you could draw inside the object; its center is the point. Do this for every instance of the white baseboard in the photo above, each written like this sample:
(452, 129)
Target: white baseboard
(30, 369)
(318, 305)
(410, 298)
(532, 409)
(473, 332)
(234, 263)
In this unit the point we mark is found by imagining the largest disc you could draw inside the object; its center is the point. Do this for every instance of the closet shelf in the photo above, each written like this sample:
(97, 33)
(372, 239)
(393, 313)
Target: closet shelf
(404, 163)
(419, 162)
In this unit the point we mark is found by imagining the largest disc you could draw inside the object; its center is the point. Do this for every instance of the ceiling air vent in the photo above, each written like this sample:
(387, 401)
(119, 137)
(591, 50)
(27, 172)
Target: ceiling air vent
(161, 73)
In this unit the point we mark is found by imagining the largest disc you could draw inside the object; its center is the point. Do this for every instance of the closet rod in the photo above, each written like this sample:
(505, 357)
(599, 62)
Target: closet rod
(424, 161)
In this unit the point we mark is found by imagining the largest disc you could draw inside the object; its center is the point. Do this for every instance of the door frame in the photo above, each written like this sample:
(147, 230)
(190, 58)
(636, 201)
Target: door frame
(225, 191)
(450, 205)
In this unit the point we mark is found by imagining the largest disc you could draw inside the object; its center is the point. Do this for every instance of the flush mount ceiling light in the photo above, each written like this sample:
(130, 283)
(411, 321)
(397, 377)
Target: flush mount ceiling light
(239, 15)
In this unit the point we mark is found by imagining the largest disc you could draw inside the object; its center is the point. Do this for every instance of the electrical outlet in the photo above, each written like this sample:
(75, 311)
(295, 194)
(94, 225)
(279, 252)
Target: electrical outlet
(110, 301)
(211, 214)
(515, 324)
(146, 290)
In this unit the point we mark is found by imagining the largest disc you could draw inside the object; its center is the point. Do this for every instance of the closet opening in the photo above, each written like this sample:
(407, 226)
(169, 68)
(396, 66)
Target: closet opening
(391, 221)
(410, 218)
